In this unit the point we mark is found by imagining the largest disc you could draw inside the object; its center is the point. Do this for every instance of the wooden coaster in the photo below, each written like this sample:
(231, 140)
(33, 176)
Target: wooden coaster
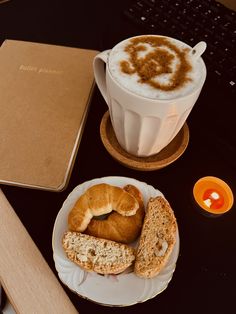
(160, 160)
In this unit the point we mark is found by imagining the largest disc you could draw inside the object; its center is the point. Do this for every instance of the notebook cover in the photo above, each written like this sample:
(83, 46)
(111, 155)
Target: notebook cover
(44, 99)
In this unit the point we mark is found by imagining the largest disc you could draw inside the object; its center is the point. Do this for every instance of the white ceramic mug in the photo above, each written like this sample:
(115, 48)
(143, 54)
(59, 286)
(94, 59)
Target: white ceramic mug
(143, 126)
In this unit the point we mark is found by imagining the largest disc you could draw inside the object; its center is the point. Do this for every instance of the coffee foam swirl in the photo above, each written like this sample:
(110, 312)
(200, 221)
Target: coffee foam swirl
(154, 66)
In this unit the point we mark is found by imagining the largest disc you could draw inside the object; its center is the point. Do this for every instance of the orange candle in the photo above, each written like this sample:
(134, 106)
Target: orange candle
(213, 195)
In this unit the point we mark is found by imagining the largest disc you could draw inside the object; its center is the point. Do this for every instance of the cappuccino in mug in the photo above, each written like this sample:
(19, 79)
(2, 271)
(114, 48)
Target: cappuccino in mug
(150, 84)
(155, 67)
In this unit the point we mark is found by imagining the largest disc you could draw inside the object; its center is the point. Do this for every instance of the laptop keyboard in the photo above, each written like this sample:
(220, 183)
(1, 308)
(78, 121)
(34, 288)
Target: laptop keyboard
(192, 21)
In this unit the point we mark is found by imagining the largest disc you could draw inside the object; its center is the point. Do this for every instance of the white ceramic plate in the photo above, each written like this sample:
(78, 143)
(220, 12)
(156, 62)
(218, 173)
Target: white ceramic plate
(120, 290)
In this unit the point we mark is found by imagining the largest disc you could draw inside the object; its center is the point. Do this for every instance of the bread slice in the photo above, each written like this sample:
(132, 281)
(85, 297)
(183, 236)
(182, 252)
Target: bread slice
(157, 238)
(97, 254)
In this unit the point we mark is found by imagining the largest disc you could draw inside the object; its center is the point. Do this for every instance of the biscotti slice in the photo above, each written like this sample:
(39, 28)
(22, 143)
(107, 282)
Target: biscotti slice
(97, 254)
(157, 238)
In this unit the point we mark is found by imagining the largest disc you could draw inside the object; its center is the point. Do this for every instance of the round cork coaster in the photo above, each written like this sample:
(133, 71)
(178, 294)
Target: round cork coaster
(160, 160)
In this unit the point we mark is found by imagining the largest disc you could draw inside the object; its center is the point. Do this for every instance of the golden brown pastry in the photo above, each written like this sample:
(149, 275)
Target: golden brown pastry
(117, 227)
(98, 200)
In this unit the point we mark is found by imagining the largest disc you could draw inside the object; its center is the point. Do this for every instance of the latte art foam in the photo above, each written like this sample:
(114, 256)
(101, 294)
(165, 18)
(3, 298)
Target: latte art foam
(155, 67)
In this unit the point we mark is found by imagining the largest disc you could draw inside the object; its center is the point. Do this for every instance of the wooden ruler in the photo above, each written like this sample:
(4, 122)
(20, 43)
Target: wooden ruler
(28, 281)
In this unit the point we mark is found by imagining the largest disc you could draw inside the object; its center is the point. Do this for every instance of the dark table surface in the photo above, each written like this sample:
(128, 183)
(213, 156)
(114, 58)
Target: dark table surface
(205, 276)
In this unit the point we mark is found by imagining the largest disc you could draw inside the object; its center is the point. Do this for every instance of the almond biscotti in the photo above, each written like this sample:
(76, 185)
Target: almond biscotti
(157, 238)
(97, 254)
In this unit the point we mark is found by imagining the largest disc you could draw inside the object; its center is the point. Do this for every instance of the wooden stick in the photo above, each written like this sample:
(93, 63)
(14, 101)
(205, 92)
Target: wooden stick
(28, 281)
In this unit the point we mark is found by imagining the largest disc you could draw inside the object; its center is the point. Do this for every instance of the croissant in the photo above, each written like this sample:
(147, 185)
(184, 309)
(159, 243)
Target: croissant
(98, 200)
(117, 227)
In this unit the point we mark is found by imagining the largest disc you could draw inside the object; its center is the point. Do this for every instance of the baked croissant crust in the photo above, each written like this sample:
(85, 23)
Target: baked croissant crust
(117, 227)
(98, 200)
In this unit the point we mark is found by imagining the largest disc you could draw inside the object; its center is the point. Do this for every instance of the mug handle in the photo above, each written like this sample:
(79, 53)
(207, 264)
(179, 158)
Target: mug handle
(100, 73)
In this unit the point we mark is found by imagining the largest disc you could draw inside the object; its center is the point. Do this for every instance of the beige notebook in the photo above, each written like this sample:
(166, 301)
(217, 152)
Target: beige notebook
(44, 99)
